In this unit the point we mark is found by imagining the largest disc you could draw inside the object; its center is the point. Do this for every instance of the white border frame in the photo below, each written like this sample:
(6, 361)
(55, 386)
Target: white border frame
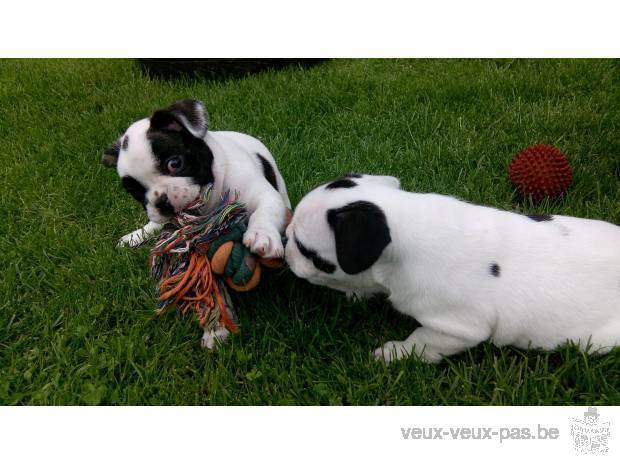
(283, 434)
(317, 28)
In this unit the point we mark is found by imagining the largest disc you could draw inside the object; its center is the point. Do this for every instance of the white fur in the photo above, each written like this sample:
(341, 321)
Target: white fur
(559, 279)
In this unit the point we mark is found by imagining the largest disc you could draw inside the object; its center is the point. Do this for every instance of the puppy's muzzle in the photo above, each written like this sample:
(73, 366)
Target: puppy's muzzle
(163, 205)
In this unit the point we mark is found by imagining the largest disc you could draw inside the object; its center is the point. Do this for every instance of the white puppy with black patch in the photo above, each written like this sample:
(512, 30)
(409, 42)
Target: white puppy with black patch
(466, 273)
(167, 160)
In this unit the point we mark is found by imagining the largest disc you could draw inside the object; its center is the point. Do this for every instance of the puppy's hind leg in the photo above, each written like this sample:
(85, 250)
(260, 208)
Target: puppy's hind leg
(428, 344)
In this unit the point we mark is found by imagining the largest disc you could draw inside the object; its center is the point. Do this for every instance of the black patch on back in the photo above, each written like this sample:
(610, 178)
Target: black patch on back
(320, 263)
(355, 175)
(341, 183)
(361, 232)
(125, 142)
(540, 217)
(495, 269)
(196, 154)
(135, 189)
(268, 171)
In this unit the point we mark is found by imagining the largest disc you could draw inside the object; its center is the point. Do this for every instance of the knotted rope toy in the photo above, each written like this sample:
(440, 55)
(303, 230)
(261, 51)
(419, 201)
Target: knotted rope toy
(197, 257)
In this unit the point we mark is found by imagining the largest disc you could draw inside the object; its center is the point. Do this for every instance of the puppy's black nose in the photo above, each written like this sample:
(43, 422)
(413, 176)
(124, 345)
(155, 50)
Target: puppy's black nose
(164, 206)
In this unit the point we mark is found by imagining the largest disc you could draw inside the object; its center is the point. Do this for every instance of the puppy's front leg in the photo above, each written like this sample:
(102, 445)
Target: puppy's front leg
(139, 236)
(265, 226)
(211, 339)
(428, 344)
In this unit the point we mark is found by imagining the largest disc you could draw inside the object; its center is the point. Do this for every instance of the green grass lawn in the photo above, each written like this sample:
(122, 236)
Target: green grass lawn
(76, 319)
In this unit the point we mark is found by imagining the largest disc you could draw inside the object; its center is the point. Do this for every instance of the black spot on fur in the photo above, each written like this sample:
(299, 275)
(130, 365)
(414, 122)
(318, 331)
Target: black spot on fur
(135, 189)
(125, 142)
(341, 183)
(495, 269)
(268, 171)
(164, 206)
(540, 217)
(320, 263)
(361, 232)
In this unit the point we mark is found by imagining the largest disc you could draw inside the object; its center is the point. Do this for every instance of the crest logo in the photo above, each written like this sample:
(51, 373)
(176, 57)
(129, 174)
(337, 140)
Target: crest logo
(590, 435)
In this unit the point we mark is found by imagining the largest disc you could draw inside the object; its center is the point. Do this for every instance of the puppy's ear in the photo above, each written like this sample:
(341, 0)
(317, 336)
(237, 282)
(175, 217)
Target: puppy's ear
(189, 115)
(361, 233)
(110, 155)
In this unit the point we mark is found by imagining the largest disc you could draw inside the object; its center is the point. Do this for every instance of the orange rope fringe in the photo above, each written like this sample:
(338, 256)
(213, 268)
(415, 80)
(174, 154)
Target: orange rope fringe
(196, 289)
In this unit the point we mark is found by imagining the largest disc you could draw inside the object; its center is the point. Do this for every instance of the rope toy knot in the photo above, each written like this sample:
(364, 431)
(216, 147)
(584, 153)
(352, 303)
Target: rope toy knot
(198, 257)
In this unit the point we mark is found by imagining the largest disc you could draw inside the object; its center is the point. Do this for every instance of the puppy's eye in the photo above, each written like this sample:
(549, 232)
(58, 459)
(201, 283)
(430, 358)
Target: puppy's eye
(174, 164)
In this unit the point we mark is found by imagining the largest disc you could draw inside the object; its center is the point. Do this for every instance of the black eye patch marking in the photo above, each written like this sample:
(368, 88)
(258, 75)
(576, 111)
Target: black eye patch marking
(125, 142)
(268, 172)
(540, 217)
(341, 183)
(320, 263)
(355, 175)
(495, 269)
(135, 189)
(196, 154)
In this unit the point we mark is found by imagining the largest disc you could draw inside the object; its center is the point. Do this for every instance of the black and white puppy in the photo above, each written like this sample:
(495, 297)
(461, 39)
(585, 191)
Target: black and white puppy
(467, 273)
(165, 162)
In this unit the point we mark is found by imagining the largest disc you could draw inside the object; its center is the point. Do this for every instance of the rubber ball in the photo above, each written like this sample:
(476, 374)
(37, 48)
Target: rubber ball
(541, 171)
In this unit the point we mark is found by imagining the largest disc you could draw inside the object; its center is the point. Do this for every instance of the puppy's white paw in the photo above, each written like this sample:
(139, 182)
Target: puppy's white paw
(213, 338)
(133, 239)
(395, 350)
(356, 296)
(391, 351)
(265, 243)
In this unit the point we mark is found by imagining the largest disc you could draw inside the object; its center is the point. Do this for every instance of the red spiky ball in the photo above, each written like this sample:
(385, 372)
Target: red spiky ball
(541, 171)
